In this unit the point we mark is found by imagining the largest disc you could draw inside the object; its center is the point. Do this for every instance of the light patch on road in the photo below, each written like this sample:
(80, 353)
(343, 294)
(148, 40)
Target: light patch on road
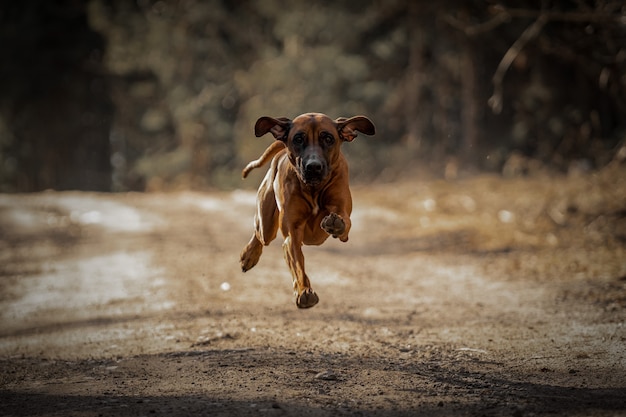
(26, 214)
(82, 289)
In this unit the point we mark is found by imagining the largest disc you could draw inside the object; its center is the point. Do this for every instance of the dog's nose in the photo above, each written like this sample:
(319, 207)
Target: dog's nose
(314, 167)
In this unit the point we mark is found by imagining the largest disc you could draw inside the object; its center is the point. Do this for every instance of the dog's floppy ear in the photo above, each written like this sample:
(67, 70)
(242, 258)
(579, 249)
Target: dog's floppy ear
(279, 127)
(348, 128)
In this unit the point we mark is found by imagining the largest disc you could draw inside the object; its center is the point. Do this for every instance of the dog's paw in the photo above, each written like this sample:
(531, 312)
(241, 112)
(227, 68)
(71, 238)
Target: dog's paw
(307, 299)
(250, 255)
(247, 262)
(333, 224)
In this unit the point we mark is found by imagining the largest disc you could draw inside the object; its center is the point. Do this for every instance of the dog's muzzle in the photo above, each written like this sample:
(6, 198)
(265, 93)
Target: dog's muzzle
(314, 170)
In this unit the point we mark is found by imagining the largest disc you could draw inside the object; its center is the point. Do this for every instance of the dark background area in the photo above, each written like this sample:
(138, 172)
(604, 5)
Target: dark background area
(150, 95)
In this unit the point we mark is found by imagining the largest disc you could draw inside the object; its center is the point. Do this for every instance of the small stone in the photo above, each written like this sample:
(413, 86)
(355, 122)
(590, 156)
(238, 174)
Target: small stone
(327, 375)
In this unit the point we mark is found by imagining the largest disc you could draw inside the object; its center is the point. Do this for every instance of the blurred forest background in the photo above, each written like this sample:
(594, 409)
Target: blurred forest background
(148, 95)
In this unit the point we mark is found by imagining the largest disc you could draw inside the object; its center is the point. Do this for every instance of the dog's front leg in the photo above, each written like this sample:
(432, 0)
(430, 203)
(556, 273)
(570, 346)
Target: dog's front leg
(337, 223)
(292, 247)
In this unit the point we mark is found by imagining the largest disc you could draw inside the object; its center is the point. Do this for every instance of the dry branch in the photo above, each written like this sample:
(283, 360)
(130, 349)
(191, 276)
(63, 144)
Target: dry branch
(531, 32)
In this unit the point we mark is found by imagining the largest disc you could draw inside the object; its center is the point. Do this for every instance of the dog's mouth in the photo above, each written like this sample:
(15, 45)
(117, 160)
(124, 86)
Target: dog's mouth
(312, 180)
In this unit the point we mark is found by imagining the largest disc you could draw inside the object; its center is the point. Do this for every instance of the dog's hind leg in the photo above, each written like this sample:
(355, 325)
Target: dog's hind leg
(251, 253)
(265, 225)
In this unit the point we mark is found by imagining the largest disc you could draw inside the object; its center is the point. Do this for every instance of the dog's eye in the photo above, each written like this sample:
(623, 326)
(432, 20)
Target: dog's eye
(298, 139)
(328, 139)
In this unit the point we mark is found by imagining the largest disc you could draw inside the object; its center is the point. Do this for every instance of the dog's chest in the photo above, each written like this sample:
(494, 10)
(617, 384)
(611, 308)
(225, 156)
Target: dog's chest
(313, 198)
(314, 201)
(315, 209)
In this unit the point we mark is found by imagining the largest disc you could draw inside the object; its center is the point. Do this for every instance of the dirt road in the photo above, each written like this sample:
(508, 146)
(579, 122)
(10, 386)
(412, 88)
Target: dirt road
(483, 297)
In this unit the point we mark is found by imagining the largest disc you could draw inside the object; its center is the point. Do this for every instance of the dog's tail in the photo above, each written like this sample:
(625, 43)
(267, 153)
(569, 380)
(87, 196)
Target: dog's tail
(269, 153)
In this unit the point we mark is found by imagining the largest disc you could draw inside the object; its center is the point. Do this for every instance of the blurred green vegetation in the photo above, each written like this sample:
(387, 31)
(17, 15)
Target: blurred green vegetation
(149, 95)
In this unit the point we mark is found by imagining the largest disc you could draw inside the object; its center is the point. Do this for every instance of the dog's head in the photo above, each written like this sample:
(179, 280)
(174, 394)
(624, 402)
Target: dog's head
(314, 140)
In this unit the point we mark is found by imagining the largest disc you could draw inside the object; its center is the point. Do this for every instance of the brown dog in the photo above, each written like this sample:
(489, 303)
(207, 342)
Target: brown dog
(305, 192)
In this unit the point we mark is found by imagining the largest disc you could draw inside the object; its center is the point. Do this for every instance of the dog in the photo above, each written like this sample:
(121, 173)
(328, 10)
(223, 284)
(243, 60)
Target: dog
(305, 192)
